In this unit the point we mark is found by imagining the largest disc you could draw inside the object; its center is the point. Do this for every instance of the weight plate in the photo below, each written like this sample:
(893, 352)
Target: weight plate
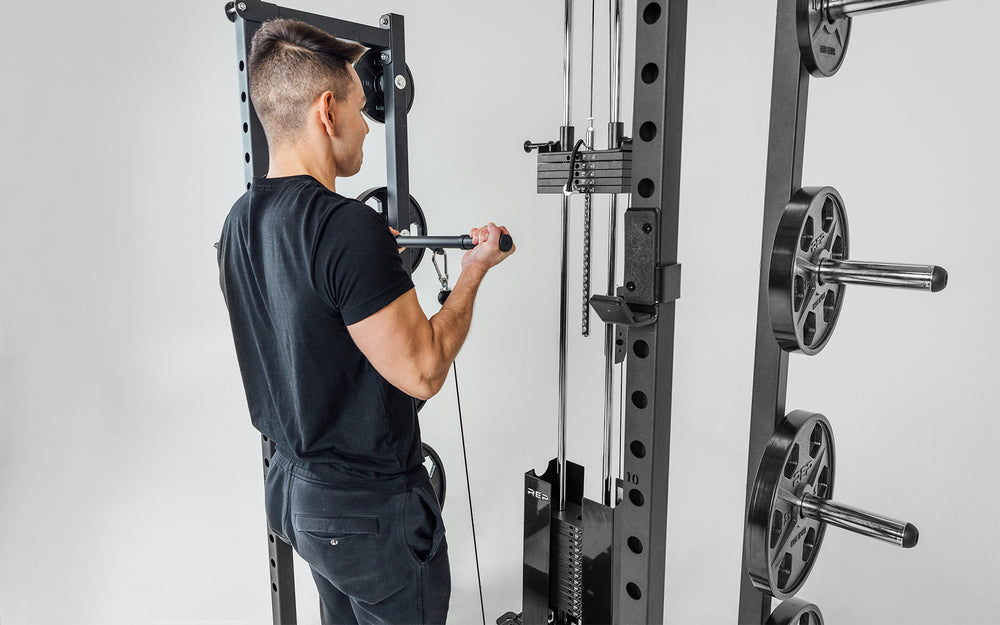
(370, 71)
(783, 543)
(822, 42)
(795, 612)
(378, 198)
(435, 469)
(803, 310)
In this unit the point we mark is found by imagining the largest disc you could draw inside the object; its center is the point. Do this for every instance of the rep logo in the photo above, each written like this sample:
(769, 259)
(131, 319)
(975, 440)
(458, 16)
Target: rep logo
(537, 495)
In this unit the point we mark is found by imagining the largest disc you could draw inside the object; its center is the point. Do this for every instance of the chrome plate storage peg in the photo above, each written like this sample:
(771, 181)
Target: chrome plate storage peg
(790, 507)
(795, 612)
(804, 309)
(414, 225)
(822, 41)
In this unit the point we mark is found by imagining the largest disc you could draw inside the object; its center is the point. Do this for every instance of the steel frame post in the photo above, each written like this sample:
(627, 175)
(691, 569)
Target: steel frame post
(786, 142)
(248, 15)
(652, 279)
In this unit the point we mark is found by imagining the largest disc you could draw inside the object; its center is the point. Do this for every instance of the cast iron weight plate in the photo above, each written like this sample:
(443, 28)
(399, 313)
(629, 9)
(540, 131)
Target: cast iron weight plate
(370, 71)
(822, 42)
(795, 612)
(783, 543)
(803, 310)
(378, 198)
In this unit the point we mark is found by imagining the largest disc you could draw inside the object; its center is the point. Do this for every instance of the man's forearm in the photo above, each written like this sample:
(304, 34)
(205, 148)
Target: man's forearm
(451, 324)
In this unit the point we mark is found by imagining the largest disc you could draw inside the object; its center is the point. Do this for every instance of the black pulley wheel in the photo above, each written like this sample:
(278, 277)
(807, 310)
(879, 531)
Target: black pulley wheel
(435, 469)
(378, 198)
(782, 543)
(822, 42)
(803, 309)
(795, 612)
(373, 80)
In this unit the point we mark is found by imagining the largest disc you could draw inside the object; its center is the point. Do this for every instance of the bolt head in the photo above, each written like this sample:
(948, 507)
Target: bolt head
(630, 286)
(242, 6)
(384, 21)
(647, 228)
(385, 57)
(400, 81)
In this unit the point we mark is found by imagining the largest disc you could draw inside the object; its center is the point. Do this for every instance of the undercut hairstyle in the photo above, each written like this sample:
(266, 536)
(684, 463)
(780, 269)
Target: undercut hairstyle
(291, 64)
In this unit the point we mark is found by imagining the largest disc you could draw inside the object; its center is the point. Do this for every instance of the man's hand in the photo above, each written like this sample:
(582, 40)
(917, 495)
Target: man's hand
(395, 233)
(487, 252)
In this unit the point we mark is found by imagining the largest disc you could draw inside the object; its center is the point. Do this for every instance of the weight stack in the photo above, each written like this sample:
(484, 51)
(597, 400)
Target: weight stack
(567, 554)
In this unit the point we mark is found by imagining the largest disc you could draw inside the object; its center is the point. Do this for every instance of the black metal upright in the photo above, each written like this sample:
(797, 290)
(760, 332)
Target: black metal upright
(652, 279)
(789, 94)
(248, 15)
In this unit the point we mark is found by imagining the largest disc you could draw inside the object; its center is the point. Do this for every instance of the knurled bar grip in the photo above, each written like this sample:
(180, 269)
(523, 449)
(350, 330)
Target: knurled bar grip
(919, 277)
(836, 9)
(463, 242)
(898, 533)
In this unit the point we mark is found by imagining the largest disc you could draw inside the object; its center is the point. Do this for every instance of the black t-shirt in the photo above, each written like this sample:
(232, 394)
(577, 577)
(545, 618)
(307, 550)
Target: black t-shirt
(298, 264)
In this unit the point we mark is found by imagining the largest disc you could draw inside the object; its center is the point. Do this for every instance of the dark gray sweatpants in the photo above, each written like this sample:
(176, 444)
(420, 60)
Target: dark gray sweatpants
(376, 558)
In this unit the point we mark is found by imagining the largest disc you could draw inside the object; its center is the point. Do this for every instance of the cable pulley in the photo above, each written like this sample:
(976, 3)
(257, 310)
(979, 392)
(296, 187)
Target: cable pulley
(371, 70)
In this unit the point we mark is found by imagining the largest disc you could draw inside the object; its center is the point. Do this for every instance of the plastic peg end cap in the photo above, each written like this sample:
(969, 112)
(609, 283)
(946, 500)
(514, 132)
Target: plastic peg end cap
(939, 280)
(910, 536)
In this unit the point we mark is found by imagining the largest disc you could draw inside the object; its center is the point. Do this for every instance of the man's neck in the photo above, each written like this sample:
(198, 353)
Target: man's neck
(291, 162)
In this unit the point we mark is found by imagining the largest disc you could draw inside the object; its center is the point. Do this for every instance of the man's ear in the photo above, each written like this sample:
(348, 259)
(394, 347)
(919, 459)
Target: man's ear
(326, 114)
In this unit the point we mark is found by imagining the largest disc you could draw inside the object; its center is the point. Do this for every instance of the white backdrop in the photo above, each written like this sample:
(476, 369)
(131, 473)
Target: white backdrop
(129, 474)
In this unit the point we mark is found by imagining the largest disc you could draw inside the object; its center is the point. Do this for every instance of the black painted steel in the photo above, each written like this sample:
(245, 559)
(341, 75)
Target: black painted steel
(260, 12)
(789, 95)
(371, 72)
(378, 199)
(795, 612)
(640, 523)
(281, 563)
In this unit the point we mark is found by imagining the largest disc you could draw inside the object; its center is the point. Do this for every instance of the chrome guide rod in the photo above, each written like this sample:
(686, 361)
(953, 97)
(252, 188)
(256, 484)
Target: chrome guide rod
(609, 329)
(564, 273)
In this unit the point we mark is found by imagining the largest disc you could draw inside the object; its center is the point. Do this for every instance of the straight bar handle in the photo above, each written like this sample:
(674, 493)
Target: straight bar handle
(899, 533)
(836, 9)
(462, 242)
(918, 277)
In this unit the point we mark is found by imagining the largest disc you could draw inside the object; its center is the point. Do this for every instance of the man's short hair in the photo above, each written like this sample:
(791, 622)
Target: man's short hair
(291, 64)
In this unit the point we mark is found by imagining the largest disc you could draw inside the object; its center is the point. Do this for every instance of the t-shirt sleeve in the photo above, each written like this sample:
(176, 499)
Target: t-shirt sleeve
(357, 267)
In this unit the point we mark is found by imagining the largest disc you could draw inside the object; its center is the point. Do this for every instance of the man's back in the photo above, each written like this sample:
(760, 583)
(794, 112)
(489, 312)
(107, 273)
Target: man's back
(298, 263)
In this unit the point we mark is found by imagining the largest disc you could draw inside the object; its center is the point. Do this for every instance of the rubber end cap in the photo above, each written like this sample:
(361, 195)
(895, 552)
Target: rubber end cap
(939, 280)
(910, 536)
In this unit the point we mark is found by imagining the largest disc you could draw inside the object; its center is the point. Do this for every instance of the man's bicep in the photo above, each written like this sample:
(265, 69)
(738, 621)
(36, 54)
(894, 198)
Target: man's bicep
(393, 340)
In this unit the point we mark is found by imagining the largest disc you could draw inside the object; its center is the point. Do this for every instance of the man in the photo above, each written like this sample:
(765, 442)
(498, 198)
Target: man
(333, 345)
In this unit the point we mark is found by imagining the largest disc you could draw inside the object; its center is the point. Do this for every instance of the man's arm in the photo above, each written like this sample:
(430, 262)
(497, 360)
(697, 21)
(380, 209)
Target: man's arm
(413, 352)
